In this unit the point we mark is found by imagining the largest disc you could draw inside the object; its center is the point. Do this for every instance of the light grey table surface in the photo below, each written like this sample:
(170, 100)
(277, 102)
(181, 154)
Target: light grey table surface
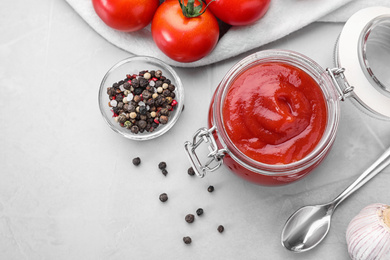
(68, 189)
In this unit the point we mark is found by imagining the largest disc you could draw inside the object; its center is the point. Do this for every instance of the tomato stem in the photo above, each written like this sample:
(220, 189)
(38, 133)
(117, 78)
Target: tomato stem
(190, 10)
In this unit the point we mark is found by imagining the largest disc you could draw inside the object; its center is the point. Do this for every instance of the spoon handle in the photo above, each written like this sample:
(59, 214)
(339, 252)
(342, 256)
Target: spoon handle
(374, 169)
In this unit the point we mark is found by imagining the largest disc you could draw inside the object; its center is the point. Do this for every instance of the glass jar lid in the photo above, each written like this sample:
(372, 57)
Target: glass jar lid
(363, 49)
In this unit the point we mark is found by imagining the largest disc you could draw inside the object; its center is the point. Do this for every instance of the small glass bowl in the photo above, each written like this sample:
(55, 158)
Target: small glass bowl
(134, 65)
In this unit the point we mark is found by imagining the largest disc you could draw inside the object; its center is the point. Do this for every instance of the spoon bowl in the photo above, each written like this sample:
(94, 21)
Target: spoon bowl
(306, 228)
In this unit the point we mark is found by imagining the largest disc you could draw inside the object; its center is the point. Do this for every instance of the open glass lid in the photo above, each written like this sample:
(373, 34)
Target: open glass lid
(363, 49)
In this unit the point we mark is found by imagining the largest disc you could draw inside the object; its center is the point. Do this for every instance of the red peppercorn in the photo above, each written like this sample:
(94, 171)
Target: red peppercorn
(156, 121)
(174, 103)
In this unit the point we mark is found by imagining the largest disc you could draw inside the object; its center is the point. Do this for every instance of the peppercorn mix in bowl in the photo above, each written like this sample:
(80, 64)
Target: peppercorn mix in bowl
(141, 98)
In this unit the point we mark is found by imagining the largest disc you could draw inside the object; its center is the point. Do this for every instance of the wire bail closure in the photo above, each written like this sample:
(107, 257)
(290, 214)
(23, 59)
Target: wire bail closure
(215, 155)
(337, 75)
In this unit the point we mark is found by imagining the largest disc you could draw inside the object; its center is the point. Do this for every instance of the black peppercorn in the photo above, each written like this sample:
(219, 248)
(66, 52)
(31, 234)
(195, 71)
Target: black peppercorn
(146, 94)
(166, 92)
(163, 119)
(126, 85)
(143, 82)
(171, 87)
(137, 98)
(131, 108)
(158, 83)
(162, 165)
(191, 171)
(134, 129)
(116, 110)
(210, 188)
(199, 211)
(138, 91)
(142, 110)
(189, 218)
(112, 92)
(220, 228)
(159, 101)
(119, 98)
(164, 171)
(164, 112)
(142, 124)
(134, 83)
(136, 161)
(122, 118)
(150, 102)
(187, 240)
(163, 197)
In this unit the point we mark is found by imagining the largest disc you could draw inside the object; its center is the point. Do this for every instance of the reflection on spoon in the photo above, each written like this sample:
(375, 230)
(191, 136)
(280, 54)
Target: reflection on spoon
(309, 225)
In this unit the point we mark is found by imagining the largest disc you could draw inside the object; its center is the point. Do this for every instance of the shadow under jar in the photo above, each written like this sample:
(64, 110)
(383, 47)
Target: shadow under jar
(275, 114)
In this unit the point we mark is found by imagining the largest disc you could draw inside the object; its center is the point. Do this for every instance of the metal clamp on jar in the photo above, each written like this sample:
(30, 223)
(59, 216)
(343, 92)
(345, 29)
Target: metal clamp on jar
(362, 56)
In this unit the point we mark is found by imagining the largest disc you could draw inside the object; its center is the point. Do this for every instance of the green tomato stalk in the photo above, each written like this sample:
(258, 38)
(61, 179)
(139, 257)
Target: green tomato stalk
(190, 10)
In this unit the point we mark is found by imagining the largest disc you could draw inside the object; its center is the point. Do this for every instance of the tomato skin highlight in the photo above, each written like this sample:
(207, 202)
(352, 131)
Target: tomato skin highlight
(184, 39)
(126, 15)
(239, 12)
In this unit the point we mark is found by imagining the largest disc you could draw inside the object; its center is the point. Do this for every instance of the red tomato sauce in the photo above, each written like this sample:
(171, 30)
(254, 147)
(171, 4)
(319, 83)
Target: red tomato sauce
(275, 113)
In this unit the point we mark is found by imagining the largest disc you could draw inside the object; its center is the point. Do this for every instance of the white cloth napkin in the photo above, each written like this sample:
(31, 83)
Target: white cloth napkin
(282, 18)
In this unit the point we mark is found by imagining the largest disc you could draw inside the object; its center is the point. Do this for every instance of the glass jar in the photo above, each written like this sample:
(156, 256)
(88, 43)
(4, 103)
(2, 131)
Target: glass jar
(334, 87)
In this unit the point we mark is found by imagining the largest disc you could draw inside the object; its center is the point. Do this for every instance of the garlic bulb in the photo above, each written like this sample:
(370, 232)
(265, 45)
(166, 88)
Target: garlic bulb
(368, 234)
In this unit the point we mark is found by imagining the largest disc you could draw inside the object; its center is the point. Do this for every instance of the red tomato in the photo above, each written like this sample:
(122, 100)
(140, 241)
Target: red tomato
(184, 39)
(126, 15)
(239, 12)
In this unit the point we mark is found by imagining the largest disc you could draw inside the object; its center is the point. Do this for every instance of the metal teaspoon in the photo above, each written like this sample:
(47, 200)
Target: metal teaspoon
(309, 225)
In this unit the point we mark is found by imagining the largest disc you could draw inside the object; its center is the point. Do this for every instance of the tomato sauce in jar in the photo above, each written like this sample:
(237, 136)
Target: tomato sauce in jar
(273, 118)
(275, 113)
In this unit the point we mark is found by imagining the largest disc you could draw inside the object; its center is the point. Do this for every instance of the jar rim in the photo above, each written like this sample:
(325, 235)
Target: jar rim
(330, 95)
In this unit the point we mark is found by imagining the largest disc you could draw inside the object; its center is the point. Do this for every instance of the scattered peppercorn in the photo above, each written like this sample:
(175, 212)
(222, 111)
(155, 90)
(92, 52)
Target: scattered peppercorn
(162, 165)
(164, 171)
(187, 240)
(210, 188)
(199, 211)
(220, 228)
(163, 197)
(136, 161)
(191, 171)
(190, 218)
